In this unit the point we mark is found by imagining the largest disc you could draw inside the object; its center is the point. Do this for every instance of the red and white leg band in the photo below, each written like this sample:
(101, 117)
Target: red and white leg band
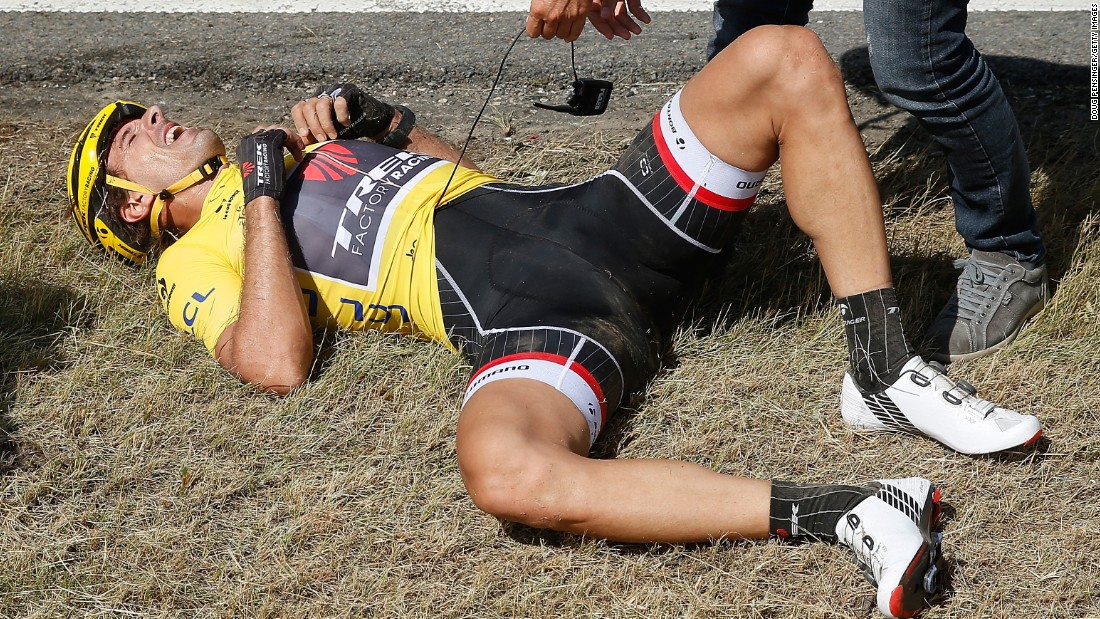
(561, 373)
(698, 172)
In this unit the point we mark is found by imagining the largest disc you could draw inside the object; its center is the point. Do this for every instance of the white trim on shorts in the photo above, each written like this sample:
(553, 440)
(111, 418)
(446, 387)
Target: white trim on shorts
(700, 173)
(561, 373)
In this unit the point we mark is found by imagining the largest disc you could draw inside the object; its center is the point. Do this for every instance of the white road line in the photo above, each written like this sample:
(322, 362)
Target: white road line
(447, 6)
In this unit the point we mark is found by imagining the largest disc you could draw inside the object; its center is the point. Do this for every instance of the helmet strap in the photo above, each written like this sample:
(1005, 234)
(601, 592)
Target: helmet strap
(206, 171)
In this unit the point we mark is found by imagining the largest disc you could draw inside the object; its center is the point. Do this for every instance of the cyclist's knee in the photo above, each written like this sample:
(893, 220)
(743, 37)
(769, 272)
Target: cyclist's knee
(789, 62)
(517, 485)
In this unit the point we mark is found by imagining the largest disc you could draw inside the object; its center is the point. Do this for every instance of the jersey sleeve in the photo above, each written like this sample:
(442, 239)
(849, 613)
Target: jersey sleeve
(200, 291)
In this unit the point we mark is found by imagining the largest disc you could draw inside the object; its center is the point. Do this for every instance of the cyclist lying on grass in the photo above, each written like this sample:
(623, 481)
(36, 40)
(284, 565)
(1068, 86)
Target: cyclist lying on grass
(552, 293)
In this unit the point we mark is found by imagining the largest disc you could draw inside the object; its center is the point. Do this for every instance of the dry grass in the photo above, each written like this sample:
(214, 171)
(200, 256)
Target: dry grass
(139, 479)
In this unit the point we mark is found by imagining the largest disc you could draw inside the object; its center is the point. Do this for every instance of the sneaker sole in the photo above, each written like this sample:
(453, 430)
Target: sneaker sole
(874, 430)
(977, 354)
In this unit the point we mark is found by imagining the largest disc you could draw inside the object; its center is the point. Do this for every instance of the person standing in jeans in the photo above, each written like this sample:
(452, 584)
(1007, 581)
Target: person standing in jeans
(925, 64)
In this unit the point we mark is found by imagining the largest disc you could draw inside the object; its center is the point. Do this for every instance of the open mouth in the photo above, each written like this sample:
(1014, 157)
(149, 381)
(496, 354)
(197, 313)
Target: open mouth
(172, 134)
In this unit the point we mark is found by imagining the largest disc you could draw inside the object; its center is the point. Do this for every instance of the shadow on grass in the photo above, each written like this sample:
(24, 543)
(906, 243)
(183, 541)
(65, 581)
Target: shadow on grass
(773, 274)
(548, 537)
(35, 318)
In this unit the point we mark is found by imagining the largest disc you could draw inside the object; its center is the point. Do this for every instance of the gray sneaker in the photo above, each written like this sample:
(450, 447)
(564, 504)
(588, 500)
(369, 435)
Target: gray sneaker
(993, 299)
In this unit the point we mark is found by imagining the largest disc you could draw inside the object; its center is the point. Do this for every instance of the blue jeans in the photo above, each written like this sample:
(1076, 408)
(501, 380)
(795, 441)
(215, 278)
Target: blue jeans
(925, 64)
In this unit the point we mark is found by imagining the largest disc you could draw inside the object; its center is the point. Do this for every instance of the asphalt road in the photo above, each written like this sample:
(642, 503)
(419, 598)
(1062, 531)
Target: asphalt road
(60, 66)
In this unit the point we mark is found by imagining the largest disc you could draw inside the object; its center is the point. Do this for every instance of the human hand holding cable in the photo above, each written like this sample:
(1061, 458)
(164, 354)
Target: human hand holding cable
(564, 19)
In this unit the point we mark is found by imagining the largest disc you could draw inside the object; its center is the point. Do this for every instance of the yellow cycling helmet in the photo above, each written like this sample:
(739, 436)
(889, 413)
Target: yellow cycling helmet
(88, 181)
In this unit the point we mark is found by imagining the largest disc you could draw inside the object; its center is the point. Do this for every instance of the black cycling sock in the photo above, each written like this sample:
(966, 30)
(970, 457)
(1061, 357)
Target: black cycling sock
(877, 348)
(811, 510)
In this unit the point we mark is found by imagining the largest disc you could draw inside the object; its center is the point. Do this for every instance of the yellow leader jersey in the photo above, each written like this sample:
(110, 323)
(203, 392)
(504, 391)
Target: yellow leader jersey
(359, 223)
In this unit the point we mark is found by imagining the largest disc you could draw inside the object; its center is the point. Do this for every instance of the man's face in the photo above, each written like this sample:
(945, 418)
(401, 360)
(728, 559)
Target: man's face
(156, 152)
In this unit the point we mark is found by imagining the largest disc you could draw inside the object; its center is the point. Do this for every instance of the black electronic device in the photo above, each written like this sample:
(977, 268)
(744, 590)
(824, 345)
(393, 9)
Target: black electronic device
(589, 98)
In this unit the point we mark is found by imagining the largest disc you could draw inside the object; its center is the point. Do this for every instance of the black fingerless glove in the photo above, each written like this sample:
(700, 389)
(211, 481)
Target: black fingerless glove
(261, 159)
(369, 117)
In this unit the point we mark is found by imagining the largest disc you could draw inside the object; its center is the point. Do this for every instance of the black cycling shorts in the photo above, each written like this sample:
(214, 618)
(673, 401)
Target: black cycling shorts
(582, 286)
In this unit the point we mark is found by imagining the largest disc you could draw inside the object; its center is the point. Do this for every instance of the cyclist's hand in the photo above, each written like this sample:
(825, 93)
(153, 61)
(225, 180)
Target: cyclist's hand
(341, 111)
(261, 157)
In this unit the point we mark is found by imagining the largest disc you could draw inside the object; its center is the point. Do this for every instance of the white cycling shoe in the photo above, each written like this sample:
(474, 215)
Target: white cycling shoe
(890, 534)
(925, 401)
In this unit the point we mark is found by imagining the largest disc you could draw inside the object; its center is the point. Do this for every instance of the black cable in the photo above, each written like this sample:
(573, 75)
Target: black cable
(573, 60)
(470, 135)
